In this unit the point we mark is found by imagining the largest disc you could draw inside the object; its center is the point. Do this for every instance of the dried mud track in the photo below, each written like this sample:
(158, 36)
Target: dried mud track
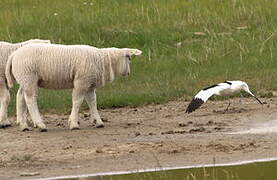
(140, 138)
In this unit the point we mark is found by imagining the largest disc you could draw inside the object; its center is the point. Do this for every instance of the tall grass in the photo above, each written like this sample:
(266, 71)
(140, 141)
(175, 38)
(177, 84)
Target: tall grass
(187, 44)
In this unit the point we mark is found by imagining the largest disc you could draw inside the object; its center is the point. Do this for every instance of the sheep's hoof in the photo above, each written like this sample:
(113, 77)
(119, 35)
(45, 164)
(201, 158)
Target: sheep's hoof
(5, 125)
(100, 126)
(40, 126)
(8, 125)
(25, 129)
(74, 128)
(43, 130)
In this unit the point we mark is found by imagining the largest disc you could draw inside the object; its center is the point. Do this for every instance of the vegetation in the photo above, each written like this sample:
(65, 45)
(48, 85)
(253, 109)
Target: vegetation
(187, 44)
(253, 171)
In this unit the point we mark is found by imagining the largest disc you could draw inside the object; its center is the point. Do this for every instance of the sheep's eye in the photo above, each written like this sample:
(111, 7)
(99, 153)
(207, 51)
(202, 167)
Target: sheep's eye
(128, 56)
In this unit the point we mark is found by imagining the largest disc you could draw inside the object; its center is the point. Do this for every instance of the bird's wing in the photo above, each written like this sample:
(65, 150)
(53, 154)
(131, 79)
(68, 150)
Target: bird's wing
(203, 95)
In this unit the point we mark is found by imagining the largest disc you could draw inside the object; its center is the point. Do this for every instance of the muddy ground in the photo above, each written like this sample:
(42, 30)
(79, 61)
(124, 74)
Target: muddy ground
(140, 138)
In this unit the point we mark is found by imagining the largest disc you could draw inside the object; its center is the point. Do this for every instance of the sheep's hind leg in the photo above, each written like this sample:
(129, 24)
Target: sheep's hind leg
(4, 103)
(77, 99)
(21, 110)
(30, 93)
(94, 115)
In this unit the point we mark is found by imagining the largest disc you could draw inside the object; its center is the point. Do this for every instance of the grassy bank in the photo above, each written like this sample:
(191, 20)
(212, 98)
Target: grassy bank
(187, 44)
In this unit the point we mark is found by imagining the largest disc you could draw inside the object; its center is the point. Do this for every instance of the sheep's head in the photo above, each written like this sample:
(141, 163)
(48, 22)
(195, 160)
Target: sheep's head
(120, 59)
(128, 54)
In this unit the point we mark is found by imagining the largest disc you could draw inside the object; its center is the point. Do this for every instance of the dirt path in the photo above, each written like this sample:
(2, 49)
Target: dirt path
(140, 138)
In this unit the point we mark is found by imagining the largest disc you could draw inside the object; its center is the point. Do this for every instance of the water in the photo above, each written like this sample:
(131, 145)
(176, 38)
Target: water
(252, 171)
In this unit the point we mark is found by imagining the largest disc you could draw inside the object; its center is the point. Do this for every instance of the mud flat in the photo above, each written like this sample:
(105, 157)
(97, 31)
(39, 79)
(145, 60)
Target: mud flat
(152, 136)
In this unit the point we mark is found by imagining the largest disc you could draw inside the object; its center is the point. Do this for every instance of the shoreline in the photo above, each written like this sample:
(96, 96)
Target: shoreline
(235, 163)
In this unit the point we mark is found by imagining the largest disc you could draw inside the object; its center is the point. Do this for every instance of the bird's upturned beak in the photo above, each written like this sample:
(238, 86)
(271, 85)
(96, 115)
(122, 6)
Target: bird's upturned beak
(255, 97)
(258, 100)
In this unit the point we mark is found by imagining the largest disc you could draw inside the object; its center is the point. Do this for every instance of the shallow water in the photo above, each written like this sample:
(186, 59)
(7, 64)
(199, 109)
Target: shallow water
(252, 171)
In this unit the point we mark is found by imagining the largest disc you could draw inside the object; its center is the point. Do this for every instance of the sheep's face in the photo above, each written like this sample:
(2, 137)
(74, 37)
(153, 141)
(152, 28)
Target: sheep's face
(125, 65)
(128, 54)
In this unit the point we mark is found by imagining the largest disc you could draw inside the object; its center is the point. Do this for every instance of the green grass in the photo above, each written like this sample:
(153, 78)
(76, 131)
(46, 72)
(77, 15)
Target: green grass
(251, 171)
(238, 41)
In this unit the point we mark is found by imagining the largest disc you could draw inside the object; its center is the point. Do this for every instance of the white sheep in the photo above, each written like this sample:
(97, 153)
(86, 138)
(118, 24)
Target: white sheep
(81, 67)
(6, 49)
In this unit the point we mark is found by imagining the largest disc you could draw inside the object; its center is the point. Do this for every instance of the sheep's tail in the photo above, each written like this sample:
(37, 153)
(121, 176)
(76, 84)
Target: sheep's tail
(8, 73)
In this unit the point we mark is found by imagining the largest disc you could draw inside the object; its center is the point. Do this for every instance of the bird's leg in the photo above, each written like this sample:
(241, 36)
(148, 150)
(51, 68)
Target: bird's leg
(227, 106)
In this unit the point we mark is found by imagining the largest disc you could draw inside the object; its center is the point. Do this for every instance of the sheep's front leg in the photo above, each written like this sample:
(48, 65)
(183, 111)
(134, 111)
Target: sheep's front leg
(77, 99)
(30, 95)
(91, 101)
(4, 103)
(21, 110)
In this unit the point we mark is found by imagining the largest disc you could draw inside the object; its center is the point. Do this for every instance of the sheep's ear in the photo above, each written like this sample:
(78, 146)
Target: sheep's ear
(135, 52)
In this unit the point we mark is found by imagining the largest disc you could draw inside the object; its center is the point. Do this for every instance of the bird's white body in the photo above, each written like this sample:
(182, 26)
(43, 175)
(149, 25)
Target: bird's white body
(226, 88)
(222, 89)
